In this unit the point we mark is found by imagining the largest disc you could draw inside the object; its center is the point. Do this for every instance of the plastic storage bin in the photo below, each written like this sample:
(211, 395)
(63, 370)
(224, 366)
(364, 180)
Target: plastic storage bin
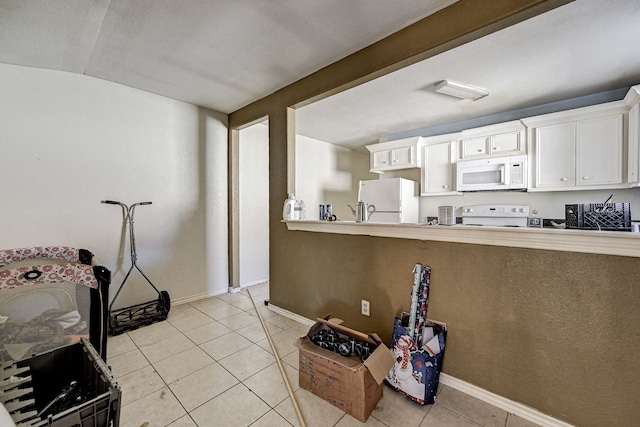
(599, 216)
(52, 371)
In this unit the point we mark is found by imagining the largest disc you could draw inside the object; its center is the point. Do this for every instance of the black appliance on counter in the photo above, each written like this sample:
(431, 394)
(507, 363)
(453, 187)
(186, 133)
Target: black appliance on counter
(599, 216)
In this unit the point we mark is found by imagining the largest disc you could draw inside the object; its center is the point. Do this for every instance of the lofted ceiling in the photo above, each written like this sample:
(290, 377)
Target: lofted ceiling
(219, 54)
(225, 54)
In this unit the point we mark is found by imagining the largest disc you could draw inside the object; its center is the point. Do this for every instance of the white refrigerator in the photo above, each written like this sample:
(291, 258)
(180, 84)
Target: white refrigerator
(394, 198)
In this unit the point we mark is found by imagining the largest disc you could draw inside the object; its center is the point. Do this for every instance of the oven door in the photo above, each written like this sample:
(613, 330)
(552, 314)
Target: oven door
(487, 174)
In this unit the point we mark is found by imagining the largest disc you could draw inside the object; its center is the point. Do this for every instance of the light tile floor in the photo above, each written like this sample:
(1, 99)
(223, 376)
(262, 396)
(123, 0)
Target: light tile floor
(210, 364)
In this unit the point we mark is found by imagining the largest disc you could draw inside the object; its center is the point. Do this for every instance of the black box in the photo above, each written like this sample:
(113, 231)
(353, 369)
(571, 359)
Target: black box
(52, 371)
(599, 216)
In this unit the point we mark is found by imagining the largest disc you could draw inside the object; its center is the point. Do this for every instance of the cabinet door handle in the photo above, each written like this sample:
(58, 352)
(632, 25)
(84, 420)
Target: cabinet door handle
(585, 178)
(445, 186)
(479, 150)
(565, 179)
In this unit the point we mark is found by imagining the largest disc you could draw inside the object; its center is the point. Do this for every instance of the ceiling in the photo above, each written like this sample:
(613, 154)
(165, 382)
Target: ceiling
(225, 54)
(219, 54)
(582, 48)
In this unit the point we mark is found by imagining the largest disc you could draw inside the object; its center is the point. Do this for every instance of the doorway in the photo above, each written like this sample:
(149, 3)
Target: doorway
(250, 229)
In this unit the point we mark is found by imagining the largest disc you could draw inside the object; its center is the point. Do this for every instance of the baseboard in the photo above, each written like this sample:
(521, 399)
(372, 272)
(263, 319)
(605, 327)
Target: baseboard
(512, 407)
(253, 283)
(198, 297)
(291, 315)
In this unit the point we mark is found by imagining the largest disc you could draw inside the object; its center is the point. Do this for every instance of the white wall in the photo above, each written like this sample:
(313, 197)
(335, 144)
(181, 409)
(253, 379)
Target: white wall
(69, 141)
(327, 173)
(254, 204)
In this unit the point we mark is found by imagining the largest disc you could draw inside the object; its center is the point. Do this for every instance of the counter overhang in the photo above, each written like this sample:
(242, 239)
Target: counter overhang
(568, 240)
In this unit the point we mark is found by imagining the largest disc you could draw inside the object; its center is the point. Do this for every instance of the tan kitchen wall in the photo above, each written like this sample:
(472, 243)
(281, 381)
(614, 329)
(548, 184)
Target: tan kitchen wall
(557, 331)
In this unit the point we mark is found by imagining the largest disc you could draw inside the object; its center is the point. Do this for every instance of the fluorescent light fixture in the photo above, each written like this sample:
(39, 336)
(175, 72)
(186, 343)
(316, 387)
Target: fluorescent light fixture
(461, 90)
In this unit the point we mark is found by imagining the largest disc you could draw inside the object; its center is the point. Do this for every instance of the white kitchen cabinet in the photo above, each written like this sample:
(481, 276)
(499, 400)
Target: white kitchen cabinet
(438, 162)
(555, 156)
(599, 151)
(503, 139)
(581, 149)
(474, 147)
(633, 154)
(394, 155)
(507, 143)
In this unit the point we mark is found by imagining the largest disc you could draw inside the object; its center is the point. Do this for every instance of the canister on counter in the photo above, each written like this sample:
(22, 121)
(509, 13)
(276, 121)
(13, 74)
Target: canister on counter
(329, 211)
(321, 212)
(447, 215)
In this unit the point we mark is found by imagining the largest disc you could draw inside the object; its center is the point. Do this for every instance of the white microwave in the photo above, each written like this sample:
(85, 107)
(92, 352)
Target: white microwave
(499, 173)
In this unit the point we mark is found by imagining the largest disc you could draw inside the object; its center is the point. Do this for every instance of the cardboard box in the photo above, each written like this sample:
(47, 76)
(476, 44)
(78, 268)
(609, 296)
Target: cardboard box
(346, 382)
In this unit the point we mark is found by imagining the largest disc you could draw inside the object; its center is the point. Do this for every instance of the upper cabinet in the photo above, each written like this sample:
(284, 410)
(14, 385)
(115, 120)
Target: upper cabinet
(503, 139)
(589, 148)
(438, 159)
(394, 155)
(633, 164)
(581, 149)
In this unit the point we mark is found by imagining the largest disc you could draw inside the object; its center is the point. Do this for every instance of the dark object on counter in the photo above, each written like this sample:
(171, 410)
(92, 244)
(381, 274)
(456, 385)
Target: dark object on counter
(599, 216)
(535, 222)
(327, 214)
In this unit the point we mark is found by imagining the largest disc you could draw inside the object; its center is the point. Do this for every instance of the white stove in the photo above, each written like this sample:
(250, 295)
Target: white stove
(496, 215)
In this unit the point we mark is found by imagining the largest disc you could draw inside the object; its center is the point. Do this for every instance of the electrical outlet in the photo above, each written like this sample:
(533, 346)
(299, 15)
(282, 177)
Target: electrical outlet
(366, 309)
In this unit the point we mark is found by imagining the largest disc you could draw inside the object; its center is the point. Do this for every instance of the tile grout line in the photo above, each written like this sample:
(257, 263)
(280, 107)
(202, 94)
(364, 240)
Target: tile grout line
(276, 355)
(281, 327)
(166, 386)
(271, 408)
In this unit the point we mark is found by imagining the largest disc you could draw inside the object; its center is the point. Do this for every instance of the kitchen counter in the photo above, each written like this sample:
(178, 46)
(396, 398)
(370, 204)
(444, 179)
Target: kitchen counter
(567, 240)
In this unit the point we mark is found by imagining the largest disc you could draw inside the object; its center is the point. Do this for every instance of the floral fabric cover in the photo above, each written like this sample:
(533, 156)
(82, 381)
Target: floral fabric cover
(62, 253)
(72, 271)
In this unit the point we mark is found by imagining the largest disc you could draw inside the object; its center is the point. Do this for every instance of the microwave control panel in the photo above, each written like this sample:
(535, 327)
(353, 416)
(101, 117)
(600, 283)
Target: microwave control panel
(516, 173)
